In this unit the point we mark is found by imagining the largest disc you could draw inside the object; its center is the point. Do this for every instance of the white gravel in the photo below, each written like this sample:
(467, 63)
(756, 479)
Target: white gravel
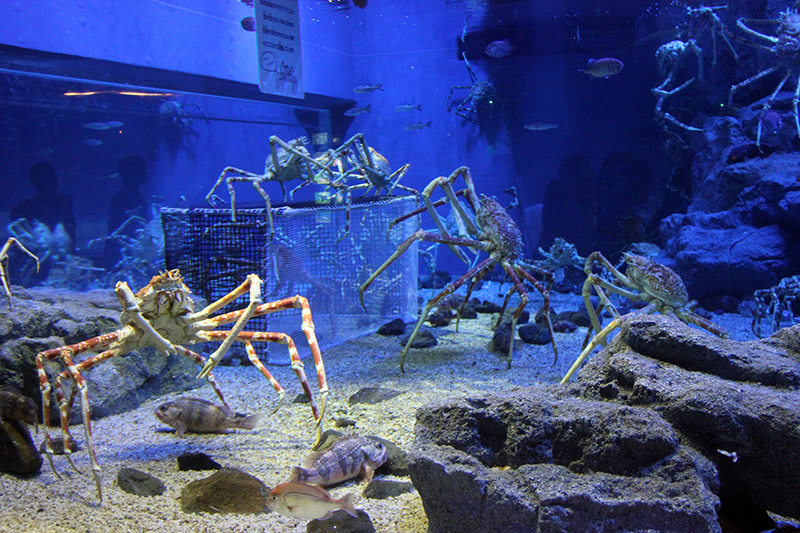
(460, 365)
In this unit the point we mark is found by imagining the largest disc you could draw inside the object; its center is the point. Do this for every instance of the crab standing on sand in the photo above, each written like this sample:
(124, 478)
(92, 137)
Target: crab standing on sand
(644, 281)
(785, 49)
(162, 315)
(4, 264)
(493, 231)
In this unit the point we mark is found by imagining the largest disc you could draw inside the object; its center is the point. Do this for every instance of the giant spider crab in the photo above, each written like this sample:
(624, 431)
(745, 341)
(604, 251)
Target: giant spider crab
(480, 98)
(292, 161)
(644, 280)
(785, 49)
(493, 231)
(4, 264)
(162, 315)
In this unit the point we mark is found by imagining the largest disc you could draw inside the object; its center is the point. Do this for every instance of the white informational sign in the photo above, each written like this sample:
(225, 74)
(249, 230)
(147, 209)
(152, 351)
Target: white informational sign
(280, 67)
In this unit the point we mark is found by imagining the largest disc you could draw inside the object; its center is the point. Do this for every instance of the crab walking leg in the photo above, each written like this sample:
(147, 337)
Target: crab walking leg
(523, 297)
(4, 264)
(253, 285)
(450, 289)
(420, 235)
(596, 341)
(99, 342)
(477, 279)
(199, 359)
(248, 337)
(795, 101)
(545, 306)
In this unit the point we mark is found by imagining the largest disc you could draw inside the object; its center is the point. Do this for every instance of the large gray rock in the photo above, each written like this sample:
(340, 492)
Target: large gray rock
(537, 460)
(661, 427)
(738, 397)
(47, 318)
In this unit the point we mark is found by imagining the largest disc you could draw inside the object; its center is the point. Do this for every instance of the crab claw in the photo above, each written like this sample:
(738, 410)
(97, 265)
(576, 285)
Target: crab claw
(207, 368)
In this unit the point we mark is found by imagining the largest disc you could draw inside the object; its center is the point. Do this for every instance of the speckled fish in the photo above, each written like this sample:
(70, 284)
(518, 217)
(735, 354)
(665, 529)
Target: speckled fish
(498, 49)
(355, 111)
(15, 406)
(602, 68)
(307, 502)
(348, 458)
(361, 89)
(201, 416)
(407, 107)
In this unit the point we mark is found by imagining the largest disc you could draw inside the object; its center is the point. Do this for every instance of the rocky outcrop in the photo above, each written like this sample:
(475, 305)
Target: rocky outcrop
(661, 428)
(44, 318)
(741, 231)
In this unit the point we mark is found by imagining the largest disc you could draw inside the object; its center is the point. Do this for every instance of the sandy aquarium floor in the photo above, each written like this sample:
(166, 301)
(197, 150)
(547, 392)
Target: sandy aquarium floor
(460, 365)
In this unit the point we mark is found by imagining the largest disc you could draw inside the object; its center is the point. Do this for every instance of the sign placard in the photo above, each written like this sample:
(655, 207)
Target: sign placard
(280, 66)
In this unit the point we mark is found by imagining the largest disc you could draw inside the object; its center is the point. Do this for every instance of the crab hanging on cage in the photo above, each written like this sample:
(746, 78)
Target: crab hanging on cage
(784, 49)
(480, 99)
(292, 161)
(488, 228)
(162, 315)
(4, 264)
(645, 281)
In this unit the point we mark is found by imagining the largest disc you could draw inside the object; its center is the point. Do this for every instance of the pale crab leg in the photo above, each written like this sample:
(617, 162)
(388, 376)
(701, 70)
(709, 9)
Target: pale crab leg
(523, 297)
(545, 306)
(596, 341)
(129, 305)
(253, 285)
(4, 264)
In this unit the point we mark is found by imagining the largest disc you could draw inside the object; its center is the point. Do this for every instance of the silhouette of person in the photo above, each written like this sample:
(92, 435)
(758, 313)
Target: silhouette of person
(129, 200)
(47, 205)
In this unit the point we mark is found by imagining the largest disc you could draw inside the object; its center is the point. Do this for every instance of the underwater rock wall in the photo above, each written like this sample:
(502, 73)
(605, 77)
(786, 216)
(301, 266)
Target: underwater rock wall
(663, 427)
(47, 318)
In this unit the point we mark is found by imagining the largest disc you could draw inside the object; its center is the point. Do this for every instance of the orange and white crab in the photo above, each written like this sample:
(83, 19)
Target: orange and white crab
(162, 315)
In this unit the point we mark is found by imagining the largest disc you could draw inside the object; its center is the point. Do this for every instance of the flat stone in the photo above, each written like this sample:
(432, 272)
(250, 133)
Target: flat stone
(140, 483)
(226, 491)
(393, 327)
(18, 453)
(424, 339)
(381, 489)
(341, 522)
(197, 461)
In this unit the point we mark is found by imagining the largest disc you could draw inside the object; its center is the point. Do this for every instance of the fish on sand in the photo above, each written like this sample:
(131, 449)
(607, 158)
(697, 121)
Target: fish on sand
(307, 502)
(201, 416)
(347, 458)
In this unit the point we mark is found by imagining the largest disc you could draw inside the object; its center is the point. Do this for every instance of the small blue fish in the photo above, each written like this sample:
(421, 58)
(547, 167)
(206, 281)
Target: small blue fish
(101, 126)
(498, 49)
(417, 126)
(92, 142)
(355, 111)
(361, 89)
(407, 107)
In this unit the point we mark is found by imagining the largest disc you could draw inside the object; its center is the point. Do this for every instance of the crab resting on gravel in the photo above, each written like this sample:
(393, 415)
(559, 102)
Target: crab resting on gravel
(644, 281)
(493, 231)
(162, 315)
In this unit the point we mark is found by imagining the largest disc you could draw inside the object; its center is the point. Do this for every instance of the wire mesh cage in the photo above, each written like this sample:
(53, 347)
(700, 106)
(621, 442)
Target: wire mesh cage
(308, 255)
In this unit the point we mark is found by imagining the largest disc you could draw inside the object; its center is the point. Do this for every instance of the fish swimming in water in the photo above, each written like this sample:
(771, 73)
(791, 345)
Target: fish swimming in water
(248, 24)
(361, 89)
(355, 111)
(417, 126)
(92, 142)
(540, 126)
(602, 68)
(307, 502)
(347, 458)
(498, 49)
(101, 126)
(201, 416)
(407, 107)
(16, 406)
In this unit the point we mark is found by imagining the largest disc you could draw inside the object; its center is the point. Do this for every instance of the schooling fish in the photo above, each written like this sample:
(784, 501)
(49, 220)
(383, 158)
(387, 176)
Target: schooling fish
(355, 111)
(347, 458)
(602, 68)
(407, 107)
(361, 89)
(201, 416)
(540, 126)
(15, 406)
(498, 49)
(307, 502)
(417, 126)
(100, 126)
